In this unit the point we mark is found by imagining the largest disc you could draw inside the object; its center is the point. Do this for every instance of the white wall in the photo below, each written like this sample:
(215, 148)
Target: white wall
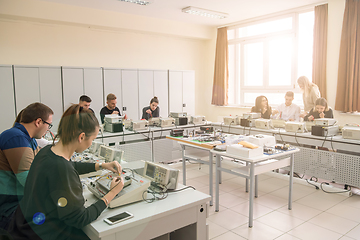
(49, 38)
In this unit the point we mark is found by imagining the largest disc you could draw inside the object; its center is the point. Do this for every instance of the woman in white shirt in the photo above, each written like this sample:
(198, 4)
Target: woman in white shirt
(310, 93)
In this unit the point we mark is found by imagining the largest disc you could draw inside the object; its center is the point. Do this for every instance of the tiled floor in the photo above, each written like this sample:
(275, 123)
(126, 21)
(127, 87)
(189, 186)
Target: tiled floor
(315, 214)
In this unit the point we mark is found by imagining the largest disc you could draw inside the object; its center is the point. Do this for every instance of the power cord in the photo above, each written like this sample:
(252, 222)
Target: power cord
(326, 183)
(311, 179)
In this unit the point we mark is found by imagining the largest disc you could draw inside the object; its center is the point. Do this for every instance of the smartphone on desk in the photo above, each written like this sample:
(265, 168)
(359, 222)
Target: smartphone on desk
(118, 218)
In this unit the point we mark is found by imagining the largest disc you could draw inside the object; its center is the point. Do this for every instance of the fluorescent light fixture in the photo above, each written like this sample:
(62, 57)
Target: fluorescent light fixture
(204, 12)
(140, 2)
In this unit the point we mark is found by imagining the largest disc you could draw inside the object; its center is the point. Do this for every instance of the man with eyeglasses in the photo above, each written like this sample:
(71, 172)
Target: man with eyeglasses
(18, 148)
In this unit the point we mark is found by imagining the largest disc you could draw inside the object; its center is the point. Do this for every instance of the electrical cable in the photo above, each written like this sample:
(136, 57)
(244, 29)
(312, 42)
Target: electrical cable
(178, 190)
(333, 192)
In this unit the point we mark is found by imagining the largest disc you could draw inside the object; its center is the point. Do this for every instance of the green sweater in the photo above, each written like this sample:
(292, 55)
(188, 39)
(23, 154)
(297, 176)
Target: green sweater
(53, 204)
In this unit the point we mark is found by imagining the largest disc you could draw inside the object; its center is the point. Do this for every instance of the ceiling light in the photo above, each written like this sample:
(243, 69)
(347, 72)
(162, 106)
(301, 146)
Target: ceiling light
(204, 12)
(140, 2)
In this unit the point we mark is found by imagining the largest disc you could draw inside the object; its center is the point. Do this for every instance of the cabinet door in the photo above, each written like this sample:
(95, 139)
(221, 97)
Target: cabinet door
(146, 88)
(73, 85)
(112, 84)
(50, 91)
(161, 91)
(7, 103)
(93, 87)
(175, 91)
(27, 86)
(189, 92)
(130, 99)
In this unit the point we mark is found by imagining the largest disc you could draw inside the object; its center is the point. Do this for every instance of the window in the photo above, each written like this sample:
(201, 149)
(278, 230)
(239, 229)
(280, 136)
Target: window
(267, 57)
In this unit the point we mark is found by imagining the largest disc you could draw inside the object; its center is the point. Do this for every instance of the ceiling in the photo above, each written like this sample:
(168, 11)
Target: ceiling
(171, 9)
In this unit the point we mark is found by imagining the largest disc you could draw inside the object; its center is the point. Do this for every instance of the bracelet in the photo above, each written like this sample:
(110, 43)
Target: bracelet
(107, 202)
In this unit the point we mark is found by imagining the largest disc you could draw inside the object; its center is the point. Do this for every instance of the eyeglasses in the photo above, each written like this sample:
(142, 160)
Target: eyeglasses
(50, 125)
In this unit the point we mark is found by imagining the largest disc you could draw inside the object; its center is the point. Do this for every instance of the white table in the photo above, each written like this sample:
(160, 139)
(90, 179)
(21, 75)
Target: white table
(254, 167)
(181, 214)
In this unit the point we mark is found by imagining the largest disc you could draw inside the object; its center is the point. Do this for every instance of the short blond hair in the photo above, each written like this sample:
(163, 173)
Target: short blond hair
(110, 97)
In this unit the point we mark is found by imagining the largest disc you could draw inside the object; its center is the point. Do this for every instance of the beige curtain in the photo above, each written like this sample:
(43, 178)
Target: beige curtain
(221, 71)
(348, 87)
(320, 48)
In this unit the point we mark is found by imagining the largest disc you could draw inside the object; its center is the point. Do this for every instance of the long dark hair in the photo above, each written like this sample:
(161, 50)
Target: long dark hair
(258, 105)
(74, 121)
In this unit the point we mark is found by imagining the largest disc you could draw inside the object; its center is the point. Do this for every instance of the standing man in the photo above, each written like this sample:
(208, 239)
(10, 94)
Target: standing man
(18, 148)
(288, 111)
(110, 108)
(84, 102)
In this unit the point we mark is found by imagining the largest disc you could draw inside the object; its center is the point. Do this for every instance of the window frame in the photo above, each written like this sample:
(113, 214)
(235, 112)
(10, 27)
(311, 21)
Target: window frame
(239, 43)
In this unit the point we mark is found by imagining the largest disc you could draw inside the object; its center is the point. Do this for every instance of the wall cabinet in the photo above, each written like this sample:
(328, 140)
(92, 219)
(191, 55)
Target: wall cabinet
(7, 102)
(59, 87)
(182, 91)
(153, 83)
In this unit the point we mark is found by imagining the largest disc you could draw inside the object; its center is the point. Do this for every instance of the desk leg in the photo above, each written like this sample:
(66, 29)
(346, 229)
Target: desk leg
(247, 182)
(217, 171)
(219, 165)
(256, 186)
(251, 195)
(183, 163)
(211, 177)
(291, 180)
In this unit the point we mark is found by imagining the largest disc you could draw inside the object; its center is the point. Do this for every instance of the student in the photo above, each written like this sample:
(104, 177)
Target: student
(53, 202)
(110, 108)
(18, 148)
(310, 93)
(288, 111)
(84, 101)
(151, 111)
(262, 106)
(321, 110)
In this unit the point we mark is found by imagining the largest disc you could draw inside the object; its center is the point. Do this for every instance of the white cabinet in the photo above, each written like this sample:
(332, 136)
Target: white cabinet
(146, 89)
(80, 81)
(73, 85)
(161, 91)
(182, 91)
(112, 84)
(189, 92)
(93, 87)
(130, 94)
(27, 86)
(153, 83)
(7, 102)
(50, 91)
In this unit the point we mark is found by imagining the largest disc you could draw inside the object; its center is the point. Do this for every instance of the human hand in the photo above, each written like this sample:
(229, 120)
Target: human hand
(113, 166)
(311, 118)
(303, 114)
(291, 119)
(148, 111)
(275, 112)
(322, 115)
(117, 184)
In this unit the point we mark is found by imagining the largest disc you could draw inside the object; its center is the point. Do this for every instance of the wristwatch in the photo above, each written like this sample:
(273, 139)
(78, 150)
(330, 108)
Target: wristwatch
(100, 166)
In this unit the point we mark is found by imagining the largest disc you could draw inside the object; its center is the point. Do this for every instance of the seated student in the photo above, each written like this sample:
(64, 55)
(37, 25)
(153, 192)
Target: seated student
(53, 202)
(262, 106)
(288, 111)
(151, 111)
(110, 108)
(321, 110)
(84, 101)
(18, 148)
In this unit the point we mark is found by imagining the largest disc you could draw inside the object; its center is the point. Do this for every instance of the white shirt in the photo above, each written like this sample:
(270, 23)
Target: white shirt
(289, 112)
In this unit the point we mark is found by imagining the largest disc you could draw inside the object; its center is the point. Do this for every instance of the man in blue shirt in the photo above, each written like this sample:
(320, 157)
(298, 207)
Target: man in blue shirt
(18, 148)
